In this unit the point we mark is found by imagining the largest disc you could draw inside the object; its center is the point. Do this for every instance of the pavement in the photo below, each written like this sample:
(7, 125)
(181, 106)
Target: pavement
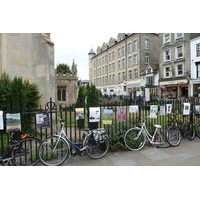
(186, 154)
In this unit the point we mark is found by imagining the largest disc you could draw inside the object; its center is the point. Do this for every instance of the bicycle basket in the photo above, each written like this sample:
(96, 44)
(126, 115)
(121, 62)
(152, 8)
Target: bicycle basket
(99, 134)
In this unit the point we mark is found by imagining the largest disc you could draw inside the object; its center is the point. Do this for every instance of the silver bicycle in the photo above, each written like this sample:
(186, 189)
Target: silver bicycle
(135, 138)
(54, 150)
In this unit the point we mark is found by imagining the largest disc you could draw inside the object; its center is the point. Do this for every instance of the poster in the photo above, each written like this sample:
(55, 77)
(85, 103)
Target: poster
(42, 120)
(186, 108)
(1, 120)
(121, 114)
(153, 111)
(13, 121)
(133, 109)
(94, 114)
(162, 110)
(197, 110)
(169, 108)
(107, 116)
(79, 113)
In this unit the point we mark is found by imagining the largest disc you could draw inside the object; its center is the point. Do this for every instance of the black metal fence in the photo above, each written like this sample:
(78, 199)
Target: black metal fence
(28, 119)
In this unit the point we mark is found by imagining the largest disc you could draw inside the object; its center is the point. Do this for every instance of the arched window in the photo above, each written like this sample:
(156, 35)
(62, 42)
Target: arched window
(59, 94)
(63, 94)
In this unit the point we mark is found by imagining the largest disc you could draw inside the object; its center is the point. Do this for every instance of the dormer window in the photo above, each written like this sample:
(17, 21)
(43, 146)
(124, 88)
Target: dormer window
(149, 70)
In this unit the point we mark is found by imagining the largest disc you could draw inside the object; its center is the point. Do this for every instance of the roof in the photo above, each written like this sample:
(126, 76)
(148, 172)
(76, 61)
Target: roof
(91, 52)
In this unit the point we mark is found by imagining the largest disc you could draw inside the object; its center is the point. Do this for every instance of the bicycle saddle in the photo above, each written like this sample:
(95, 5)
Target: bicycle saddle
(16, 130)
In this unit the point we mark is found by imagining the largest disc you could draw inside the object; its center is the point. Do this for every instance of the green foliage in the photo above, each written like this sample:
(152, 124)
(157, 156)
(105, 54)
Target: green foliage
(81, 104)
(93, 96)
(63, 69)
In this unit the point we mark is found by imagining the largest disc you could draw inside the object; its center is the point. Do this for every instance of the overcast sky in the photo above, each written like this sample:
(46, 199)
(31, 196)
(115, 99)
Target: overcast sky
(69, 46)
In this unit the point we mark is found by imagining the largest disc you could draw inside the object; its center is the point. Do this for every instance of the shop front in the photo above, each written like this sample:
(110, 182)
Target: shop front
(174, 89)
(134, 89)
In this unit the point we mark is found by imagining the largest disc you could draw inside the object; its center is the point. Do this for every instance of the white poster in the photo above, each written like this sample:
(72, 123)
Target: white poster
(133, 109)
(169, 108)
(162, 110)
(1, 120)
(186, 109)
(94, 114)
(153, 111)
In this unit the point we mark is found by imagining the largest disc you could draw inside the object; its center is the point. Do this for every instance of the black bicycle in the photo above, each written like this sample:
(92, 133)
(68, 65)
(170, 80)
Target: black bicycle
(186, 130)
(22, 150)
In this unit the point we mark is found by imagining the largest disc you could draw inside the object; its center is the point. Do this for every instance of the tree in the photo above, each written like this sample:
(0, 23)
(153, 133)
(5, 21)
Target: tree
(63, 69)
(81, 104)
(93, 95)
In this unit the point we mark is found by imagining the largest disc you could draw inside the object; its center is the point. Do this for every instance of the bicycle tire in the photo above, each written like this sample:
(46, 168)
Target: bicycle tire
(96, 150)
(134, 139)
(173, 136)
(190, 132)
(26, 152)
(53, 151)
(197, 130)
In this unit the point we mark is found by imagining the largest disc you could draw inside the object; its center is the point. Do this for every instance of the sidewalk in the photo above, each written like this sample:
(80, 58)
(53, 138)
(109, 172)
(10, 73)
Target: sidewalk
(186, 154)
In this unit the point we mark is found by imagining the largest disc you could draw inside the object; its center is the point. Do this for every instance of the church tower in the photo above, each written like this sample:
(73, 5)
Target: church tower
(91, 54)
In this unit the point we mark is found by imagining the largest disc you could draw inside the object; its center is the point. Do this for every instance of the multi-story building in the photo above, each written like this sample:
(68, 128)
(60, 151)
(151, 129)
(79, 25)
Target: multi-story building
(195, 64)
(117, 66)
(174, 64)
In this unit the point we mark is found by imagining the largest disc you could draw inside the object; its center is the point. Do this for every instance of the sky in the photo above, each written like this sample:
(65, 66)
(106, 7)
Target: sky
(69, 46)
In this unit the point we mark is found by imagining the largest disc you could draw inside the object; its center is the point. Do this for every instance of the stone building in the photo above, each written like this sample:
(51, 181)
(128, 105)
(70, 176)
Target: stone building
(174, 64)
(67, 88)
(116, 66)
(30, 56)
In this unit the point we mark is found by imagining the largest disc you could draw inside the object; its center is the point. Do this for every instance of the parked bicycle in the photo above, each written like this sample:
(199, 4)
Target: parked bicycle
(54, 150)
(135, 138)
(22, 149)
(185, 130)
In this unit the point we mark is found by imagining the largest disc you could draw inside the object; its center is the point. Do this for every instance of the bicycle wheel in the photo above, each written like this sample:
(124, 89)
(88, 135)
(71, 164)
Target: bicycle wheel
(134, 139)
(173, 136)
(190, 131)
(95, 149)
(197, 130)
(53, 151)
(26, 152)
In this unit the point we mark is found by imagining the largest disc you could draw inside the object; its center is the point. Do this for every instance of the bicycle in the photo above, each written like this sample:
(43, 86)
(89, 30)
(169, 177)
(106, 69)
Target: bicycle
(135, 138)
(21, 149)
(54, 150)
(185, 130)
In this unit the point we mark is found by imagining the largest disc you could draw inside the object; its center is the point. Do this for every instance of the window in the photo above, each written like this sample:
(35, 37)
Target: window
(179, 52)
(103, 61)
(119, 77)
(113, 55)
(135, 61)
(113, 78)
(179, 69)
(167, 72)
(110, 79)
(135, 45)
(149, 80)
(130, 75)
(179, 35)
(130, 47)
(123, 50)
(136, 73)
(198, 49)
(166, 38)
(61, 94)
(119, 52)
(123, 62)
(167, 55)
(146, 43)
(130, 61)
(103, 80)
(106, 59)
(110, 57)
(146, 58)
(110, 67)
(113, 66)
(103, 70)
(123, 76)
(119, 64)
(149, 70)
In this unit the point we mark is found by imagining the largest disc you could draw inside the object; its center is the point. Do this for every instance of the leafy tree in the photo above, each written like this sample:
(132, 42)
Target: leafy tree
(81, 104)
(63, 68)
(92, 101)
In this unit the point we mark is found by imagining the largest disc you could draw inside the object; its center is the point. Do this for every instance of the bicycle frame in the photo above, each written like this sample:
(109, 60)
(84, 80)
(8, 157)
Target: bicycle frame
(144, 130)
